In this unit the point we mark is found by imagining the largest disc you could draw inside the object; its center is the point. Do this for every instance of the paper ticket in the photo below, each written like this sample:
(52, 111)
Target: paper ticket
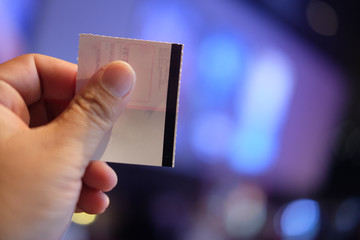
(146, 131)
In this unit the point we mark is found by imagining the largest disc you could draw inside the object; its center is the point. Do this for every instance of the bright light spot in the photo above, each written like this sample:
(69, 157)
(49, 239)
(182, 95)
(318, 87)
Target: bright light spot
(245, 211)
(268, 90)
(300, 219)
(348, 215)
(83, 218)
(220, 63)
(165, 21)
(322, 18)
(210, 135)
(253, 151)
(262, 107)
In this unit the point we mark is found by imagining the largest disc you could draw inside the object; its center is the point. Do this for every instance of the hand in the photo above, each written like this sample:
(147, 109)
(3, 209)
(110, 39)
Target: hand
(47, 137)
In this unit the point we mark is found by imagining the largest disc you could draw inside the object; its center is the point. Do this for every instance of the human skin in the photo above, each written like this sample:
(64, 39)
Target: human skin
(47, 137)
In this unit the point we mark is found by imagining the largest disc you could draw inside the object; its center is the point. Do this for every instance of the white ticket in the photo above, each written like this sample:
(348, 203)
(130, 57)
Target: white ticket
(146, 131)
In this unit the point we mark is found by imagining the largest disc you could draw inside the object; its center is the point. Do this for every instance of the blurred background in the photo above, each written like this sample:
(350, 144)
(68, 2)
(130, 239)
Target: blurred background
(268, 140)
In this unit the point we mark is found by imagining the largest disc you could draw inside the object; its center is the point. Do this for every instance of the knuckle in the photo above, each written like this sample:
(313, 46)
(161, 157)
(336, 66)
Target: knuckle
(93, 105)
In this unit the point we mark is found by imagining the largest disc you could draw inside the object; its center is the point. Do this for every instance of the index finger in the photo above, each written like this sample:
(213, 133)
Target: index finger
(35, 76)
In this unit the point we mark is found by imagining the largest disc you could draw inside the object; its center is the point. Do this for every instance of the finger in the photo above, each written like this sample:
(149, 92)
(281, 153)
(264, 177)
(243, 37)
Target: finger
(10, 123)
(92, 201)
(35, 76)
(11, 99)
(100, 176)
(95, 108)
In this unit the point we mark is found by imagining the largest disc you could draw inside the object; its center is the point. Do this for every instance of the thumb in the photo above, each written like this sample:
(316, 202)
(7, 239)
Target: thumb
(95, 108)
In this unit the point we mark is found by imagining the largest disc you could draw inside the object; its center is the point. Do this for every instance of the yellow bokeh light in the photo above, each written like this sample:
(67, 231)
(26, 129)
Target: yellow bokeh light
(83, 218)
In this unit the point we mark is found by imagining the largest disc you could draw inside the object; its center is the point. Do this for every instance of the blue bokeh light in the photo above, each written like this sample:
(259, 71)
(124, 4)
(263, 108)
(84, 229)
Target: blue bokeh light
(252, 151)
(210, 135)
(220, 64)
(262, 108)
(170, 21)
(268, 90)
(22, 12)
(300, 220)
